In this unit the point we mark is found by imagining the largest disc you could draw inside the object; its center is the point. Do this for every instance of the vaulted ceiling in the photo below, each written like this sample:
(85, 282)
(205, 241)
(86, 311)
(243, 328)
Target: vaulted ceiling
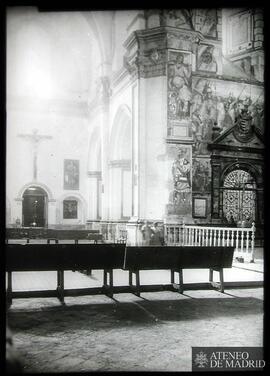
(56, 54)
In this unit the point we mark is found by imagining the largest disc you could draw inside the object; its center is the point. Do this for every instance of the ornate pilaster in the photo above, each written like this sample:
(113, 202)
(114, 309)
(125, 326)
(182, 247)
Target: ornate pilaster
(216, 168)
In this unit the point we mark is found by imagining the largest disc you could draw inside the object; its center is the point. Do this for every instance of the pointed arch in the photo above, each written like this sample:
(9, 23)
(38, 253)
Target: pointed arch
(94, 151)
(120, 135)
(120, 151)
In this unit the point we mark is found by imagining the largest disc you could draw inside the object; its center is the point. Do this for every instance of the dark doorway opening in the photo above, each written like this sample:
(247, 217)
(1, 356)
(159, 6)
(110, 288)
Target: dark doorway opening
(34, 207)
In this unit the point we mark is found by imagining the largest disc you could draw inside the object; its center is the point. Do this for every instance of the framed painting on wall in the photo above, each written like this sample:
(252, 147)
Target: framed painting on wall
(70, 209)
(71, 174)
(199, 207)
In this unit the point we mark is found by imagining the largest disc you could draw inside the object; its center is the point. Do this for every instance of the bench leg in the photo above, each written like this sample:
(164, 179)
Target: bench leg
(137, 273)
(105, 284)
(172, 276)
(221, 277)
(111, 283)
(60, 286)
(211, 275)
(181, 287)
(108, 288)
(217, 285)
(9, 289)
(130, 278)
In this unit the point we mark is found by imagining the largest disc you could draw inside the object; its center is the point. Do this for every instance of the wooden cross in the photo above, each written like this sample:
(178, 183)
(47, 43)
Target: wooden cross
(35, 139)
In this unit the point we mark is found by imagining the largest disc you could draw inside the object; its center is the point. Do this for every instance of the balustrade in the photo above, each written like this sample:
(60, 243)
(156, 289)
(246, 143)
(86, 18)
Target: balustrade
(240, 238)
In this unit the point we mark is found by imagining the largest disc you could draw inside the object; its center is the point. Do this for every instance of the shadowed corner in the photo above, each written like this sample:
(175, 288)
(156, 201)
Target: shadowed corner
(13, 363)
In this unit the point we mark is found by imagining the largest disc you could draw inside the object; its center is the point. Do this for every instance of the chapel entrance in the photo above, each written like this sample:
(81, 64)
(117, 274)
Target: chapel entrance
(34, 208)
(239, 196)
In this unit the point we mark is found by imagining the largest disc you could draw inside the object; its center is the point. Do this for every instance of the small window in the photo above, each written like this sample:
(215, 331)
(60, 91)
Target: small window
(70, 209)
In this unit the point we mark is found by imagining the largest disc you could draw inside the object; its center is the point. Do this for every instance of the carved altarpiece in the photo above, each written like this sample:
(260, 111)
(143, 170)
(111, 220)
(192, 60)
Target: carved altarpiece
(237, 173)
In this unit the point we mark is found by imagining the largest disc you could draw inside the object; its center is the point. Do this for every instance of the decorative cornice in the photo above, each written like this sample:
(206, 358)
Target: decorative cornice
(146, 54)
(174, 140)
(245, 149)
(227, 78)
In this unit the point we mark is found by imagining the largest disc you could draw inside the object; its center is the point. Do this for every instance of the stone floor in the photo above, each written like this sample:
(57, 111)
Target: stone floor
(154, 332)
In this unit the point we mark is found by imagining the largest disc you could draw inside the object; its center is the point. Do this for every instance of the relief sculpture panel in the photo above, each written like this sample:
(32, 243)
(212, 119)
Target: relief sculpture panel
(221, 103)
(201, 175)
(179, 92)
(180, 181)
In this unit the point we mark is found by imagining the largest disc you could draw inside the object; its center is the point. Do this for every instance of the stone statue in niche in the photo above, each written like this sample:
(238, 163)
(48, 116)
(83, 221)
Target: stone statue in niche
(179, 184)
(206, 59)
(181, 177)
(179, 88)
(201, 179)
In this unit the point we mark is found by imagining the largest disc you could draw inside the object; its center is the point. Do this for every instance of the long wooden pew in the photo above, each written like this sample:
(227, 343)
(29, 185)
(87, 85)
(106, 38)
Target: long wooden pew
(107, 257)
(176, 259)
(61, 257)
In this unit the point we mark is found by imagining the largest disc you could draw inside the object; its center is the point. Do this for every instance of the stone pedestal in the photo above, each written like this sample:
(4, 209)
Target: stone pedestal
(134, 235)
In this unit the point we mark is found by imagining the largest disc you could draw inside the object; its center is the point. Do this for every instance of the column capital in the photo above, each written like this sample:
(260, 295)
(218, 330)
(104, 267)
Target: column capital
(147, 55)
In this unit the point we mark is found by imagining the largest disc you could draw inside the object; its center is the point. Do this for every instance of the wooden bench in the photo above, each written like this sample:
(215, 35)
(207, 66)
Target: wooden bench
(75, 235)
(53, 235)
(61, 257)
(176, 259)
(107, 257)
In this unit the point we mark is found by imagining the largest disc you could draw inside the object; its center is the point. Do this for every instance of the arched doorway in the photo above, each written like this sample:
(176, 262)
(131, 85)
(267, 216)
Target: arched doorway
(34, 208)
(239, 196)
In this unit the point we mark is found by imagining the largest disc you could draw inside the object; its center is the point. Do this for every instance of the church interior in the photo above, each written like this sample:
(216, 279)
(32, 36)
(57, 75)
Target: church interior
(133, 128)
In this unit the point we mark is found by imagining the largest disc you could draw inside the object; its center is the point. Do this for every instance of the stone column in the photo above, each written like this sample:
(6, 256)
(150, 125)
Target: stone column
(93, 187)
(105, 93)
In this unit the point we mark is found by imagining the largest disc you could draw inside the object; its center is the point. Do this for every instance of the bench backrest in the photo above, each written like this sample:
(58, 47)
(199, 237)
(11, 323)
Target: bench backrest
(18, 233)
(72, 234)
(170, 257)
(63, 256)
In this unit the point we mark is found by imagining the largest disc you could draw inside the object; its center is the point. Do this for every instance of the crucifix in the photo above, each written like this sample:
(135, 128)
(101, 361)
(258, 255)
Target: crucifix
(35, 139)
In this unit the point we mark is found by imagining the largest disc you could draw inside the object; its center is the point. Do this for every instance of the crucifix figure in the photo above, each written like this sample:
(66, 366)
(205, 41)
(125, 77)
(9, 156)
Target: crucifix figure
(35, 139)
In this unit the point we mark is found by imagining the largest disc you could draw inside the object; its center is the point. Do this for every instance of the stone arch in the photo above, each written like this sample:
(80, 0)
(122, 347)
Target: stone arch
(251, 169)
(38, 185)
(120, 152)
(94, 151)
(120, 135)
